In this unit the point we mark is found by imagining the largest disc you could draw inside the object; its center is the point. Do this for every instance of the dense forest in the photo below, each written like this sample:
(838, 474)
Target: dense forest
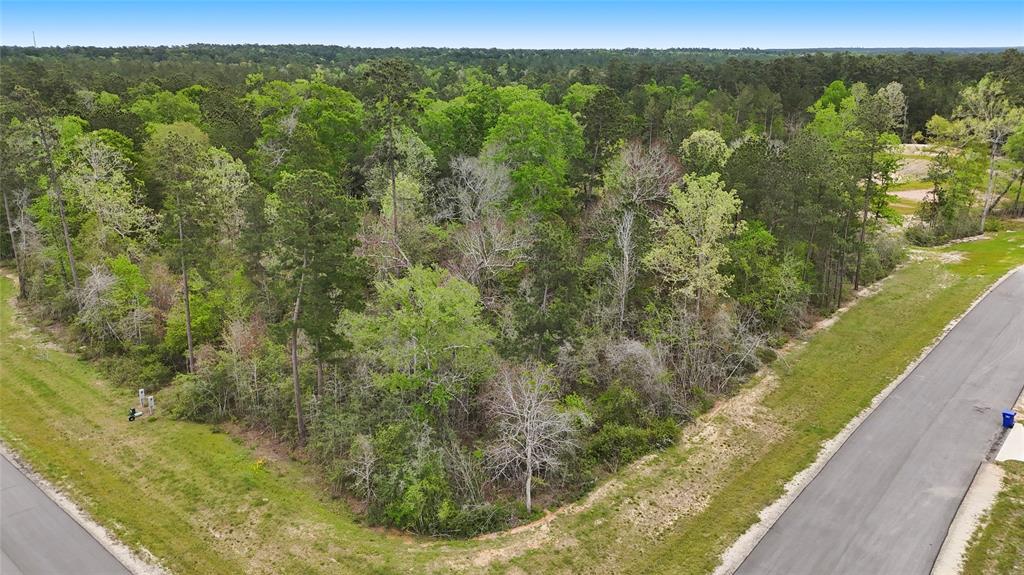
(460, 280)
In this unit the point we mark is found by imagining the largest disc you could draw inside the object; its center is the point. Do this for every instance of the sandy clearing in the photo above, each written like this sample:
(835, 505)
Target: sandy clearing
(918, 195)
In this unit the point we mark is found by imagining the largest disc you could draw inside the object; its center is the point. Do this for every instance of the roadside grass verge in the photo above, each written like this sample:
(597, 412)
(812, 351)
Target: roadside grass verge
(198, 500)
(825, 384)
(997, 547)
(195, 498)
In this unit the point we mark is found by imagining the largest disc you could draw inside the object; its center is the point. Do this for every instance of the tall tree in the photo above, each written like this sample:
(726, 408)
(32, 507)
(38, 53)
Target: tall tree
(391, 82)
(693, 232)
(603, 117)
(174, 157)
(860, 130)
(46, 138)
(636, 181)
(305, 124)
(989, 117)
(314, 225)
(538, 142)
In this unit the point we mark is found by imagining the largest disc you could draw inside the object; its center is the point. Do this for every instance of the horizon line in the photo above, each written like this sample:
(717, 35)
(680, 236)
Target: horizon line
(426, 47)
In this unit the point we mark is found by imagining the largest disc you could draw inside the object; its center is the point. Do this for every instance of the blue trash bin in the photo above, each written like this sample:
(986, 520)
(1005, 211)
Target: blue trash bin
(1008, 419)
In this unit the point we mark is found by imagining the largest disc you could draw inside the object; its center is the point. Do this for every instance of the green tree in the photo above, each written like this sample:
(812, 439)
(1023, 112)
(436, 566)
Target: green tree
(100, 178)
(765, 281)
(693, 233)
(861, 130)
(539, 142)
(989, 117)
(604, 120)
(200, 188)
(163, 107)
(305, 124)
(48, 138)
(391, 83)
(424, 340)
(704, 152)
(174, 156)
(313, 225)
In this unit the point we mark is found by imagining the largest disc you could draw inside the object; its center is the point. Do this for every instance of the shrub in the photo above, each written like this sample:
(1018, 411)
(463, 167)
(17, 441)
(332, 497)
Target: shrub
(140, 368)
(883, 252)
(621, 405)
(618, 444)
(474, 519)
(198, 398)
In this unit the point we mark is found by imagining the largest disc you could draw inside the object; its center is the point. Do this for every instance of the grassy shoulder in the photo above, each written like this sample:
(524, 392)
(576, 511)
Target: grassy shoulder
(997, 547)
(203, 502)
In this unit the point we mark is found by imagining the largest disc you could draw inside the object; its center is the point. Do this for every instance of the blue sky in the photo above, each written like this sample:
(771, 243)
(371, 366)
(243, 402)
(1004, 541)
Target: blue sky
(532, 24)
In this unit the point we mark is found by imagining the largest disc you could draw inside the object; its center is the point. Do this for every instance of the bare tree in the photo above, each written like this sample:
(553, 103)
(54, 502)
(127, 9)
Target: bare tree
(476, 188)
(532, 433)
(624, 268)
(486, 247)
(94, 302)
(486, 243)
(362, 462)
(642, 174)
(29, 244)
(14, 246)
(704, 352)
(639, 178)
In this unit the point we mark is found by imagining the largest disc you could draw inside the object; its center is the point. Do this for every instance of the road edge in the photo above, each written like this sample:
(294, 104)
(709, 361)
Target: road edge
(131, 560)
(733, 557)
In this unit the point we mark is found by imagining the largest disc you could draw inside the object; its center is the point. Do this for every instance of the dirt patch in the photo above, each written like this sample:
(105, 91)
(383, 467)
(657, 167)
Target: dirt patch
(912, 170)
(919, 149)
(951, 257)
(264, 444)
(918, 195)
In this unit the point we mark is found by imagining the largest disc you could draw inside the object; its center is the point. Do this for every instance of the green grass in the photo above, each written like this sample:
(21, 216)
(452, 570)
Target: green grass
(997, 548)
(830, 381)
(905, 207)
(193, 497)
(915, 185)
(196, 499)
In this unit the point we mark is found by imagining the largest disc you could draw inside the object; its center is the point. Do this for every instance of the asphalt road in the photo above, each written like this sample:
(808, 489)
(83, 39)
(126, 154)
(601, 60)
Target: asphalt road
(884, 501)
(38, 538)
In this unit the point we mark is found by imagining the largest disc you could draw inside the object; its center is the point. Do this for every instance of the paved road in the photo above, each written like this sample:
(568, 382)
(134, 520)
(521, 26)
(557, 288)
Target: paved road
(884, 501)
(38, 538)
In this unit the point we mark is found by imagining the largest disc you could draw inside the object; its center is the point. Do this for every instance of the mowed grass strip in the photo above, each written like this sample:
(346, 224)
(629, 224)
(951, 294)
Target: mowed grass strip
(828, 382)
(997, 548)
(198, 500)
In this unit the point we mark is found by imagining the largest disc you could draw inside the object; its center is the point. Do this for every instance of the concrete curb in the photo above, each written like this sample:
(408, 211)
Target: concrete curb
(736, 554)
